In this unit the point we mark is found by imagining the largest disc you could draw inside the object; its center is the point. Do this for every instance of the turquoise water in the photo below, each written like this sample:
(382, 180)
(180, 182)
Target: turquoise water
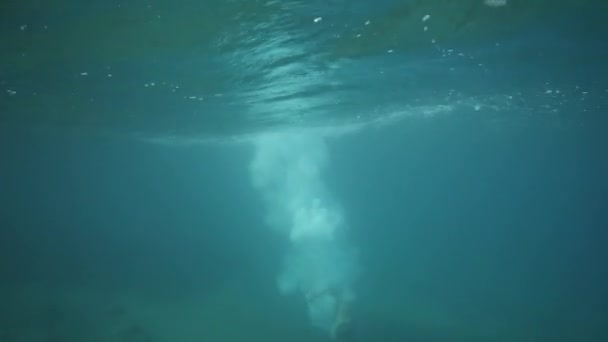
(303, 171)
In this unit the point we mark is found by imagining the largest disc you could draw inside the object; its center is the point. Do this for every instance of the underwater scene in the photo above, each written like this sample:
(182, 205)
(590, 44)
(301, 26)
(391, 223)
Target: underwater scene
(303, 170)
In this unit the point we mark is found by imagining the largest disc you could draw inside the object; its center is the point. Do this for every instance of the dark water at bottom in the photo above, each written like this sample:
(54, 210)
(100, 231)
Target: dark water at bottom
(468, 230)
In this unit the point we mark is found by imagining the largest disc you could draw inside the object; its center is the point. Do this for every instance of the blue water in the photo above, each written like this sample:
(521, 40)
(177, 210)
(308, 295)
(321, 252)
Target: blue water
(265, 176)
